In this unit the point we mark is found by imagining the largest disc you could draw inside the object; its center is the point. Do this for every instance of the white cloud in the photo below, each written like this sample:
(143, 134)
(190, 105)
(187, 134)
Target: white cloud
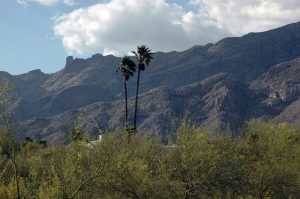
(119, 25)
(243, 16)
(47, 2)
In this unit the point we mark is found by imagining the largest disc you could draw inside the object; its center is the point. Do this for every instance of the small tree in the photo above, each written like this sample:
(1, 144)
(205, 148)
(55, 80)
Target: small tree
(5, 97)
(77, 133)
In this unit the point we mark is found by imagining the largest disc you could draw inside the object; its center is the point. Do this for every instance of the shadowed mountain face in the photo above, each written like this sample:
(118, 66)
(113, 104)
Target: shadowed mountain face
(220, 86)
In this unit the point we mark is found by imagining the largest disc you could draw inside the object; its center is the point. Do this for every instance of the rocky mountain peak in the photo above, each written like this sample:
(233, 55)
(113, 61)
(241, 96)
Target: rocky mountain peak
(34, 75)
(36, 72)
(74, 65)
(96, 57)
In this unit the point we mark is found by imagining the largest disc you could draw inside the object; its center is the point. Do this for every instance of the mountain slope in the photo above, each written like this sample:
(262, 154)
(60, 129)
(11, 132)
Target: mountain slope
(220, 85)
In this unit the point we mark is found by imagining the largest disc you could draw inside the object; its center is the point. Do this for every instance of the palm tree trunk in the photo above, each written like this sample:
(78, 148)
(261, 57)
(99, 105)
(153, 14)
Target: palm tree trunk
(136, 99)
(126, 106)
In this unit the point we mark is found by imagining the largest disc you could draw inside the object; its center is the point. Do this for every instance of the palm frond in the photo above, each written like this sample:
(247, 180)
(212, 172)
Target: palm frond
(127, 67)
(126, 61)
(133, 52)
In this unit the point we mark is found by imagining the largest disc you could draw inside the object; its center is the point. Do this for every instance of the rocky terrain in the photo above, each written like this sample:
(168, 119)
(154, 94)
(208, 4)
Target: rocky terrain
(220, 86)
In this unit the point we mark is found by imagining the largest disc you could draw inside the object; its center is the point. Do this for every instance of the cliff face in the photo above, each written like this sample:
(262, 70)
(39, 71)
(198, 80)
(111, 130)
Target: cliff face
(282, 91)
(219, 85)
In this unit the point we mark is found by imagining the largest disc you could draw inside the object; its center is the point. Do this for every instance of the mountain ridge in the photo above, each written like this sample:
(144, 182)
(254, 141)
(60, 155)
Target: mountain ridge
(222, 85)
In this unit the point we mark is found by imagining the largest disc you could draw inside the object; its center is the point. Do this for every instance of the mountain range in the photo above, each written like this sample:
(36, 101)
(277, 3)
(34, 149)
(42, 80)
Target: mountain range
(219, 86)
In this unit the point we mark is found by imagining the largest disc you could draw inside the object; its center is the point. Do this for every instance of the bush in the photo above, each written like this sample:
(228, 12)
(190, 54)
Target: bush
(262, 163)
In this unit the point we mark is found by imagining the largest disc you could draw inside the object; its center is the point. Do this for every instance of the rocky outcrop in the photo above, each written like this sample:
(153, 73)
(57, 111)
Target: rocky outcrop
(282, 85)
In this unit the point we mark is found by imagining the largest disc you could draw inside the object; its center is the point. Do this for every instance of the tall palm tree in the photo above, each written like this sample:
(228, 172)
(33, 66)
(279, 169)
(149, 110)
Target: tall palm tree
(127, 68)
(144, 57)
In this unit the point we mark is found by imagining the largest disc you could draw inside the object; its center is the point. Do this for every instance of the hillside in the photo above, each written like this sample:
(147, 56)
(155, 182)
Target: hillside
(220, 85)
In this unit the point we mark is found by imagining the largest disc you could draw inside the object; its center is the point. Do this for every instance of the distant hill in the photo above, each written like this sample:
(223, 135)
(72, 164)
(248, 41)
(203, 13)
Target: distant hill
(220, 85)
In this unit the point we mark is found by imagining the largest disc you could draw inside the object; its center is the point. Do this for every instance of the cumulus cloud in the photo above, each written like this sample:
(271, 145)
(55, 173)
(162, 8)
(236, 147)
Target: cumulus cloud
(116, 27)
(240, 17)
(47, 2)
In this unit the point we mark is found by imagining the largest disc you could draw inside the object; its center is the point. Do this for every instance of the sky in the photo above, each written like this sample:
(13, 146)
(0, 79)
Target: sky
(39, 34)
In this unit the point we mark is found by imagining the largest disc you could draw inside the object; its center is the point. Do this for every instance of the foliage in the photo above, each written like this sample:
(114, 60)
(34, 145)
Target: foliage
(264, 162)
(143, 56)
(9, 143)
(5, 90)
(127, 68)
(77, 133)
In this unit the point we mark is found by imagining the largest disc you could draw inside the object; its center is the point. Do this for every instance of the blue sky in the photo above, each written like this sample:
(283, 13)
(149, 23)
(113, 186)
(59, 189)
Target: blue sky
(41, 33)
(27, 40)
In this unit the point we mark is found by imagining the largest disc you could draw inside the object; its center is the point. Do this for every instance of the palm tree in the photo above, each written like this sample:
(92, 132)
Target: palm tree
(144, 57)
(127, 68)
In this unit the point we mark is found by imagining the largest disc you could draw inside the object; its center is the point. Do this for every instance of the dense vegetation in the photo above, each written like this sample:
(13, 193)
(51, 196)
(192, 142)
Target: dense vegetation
(262, 163)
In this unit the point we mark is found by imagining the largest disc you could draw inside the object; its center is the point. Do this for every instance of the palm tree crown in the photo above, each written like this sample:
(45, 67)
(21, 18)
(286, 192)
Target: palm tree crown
(127, 68)
(143, 56)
